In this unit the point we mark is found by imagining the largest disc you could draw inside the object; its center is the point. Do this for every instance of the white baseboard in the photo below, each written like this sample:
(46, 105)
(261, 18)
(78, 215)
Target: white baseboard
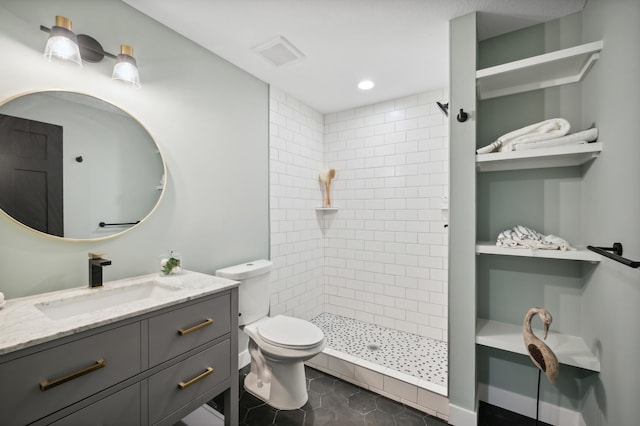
(549, 413)
(243, 359)
(459, 416)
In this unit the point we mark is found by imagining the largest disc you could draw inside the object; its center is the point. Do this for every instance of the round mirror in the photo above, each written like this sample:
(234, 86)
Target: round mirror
(76, 167)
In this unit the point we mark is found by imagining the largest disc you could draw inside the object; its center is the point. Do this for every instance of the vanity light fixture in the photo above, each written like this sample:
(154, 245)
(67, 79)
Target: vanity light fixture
(366, 85)
(126, 69)
(64, 44)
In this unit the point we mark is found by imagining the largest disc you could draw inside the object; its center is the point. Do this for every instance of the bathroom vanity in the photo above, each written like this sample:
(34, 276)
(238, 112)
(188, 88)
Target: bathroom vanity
(144, 351)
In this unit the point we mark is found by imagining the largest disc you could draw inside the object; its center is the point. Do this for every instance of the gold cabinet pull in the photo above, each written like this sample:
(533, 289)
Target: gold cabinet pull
(182, 331)
(48, 384)
(184, 385)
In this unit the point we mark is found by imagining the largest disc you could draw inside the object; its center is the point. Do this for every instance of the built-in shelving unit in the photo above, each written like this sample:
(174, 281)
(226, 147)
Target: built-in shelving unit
(487, 247)
(551, 69)
(560, 156)
(570, 350)
(538, 72)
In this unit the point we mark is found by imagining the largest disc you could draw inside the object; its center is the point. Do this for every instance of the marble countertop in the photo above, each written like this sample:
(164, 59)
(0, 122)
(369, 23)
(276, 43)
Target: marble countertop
(24, 324)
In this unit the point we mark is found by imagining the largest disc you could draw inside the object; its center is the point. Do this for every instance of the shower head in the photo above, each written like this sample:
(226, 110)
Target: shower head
(444, 108)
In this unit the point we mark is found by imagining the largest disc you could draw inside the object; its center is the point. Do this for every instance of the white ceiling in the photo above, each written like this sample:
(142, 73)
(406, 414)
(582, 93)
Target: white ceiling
(402, 45)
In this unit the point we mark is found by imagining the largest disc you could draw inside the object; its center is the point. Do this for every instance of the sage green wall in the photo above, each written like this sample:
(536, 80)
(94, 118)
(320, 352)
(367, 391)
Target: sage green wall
(611, 206)
(462, 230)
(209, 118)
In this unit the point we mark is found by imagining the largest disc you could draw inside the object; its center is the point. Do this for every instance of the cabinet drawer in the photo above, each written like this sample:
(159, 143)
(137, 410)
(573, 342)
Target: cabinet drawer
(178, 385)
(121, 408)
(59, 370)
(178, 331)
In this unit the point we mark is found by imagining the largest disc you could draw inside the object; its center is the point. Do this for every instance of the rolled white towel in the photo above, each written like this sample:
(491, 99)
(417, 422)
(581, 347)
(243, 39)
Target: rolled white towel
(582, 137)
(548, 129)
(493, 146)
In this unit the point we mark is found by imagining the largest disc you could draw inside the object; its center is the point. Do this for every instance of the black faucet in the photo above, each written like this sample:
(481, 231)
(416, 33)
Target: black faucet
(95, 270)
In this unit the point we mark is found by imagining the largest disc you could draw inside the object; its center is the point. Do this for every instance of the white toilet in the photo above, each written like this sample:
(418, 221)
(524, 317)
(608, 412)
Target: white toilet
(278, 345)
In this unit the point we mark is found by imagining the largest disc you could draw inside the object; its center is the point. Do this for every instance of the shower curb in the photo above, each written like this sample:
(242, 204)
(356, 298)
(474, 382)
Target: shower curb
(424, 396)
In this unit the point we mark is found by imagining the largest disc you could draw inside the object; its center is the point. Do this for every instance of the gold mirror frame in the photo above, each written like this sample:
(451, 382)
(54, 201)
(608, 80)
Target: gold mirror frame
(161, 185)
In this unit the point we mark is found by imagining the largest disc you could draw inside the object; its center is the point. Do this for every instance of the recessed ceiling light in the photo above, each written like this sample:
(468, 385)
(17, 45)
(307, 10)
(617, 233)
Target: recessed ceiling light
(366, 85)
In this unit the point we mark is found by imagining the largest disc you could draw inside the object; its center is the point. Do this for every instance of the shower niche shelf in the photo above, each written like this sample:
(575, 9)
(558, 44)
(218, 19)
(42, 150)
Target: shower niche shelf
(559, 156)
(538, 72)
(570, 350)
(488, 247)
(326, 209)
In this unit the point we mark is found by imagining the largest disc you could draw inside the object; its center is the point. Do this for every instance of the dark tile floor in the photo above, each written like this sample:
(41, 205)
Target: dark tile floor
(331, 402)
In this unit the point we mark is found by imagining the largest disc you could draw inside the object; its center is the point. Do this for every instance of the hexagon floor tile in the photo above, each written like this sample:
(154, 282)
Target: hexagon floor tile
(332, 402)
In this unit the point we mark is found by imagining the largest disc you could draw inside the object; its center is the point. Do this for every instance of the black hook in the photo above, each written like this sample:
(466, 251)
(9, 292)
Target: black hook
(79, 159)
(462, 116)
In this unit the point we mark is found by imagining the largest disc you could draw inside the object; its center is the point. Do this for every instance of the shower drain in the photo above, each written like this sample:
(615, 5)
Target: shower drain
(373, 347)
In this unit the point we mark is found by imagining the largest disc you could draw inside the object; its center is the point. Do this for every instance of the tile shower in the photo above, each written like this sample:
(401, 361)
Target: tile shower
(373, 274)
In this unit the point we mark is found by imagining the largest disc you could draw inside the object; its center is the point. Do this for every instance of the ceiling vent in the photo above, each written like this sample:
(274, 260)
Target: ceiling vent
(279, 51)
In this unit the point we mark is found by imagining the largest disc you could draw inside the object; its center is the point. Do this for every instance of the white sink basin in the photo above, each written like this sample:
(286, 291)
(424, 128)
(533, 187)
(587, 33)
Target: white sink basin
(103, 298)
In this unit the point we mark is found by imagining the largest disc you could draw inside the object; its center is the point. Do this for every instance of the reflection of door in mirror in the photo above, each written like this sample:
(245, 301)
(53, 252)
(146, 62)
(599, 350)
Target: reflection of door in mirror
(31, 173)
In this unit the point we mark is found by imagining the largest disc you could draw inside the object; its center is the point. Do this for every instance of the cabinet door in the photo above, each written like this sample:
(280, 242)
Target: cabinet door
(178, 385)
(36, 385)
(176, 332)
(121, 408)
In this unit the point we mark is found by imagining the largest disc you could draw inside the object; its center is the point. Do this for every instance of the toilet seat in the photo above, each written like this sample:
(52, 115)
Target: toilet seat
(289, 333)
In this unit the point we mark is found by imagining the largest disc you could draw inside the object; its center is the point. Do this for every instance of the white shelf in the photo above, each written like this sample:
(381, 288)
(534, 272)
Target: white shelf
(327, 209)
(570, 350)
(559, 156)
(538, 72)
(488, 247)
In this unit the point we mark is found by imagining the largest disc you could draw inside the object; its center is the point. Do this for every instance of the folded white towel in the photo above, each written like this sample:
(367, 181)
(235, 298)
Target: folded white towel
(544, 130)
(522, 237)
(584, 136)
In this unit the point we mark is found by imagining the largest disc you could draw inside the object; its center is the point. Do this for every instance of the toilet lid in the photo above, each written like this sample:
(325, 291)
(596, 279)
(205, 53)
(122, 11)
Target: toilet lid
(289, 332)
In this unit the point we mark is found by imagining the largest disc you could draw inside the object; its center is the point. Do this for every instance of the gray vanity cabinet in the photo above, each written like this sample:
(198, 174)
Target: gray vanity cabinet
(120, 408)
(195, 376)
(152, 369)
(29, 387)
(175, 332)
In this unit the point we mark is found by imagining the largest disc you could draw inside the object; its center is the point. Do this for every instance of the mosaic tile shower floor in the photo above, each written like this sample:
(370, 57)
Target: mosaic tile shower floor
(420, 357)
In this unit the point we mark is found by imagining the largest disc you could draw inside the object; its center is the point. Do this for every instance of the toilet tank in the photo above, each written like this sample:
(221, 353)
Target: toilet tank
(253, 292)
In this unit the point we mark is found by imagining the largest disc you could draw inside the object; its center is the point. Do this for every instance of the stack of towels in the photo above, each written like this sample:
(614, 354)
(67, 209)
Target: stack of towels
(522, 237)
(548, 133)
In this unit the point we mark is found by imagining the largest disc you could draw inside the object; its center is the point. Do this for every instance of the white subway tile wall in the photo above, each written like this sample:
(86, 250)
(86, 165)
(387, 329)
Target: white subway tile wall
(382, 257)
(297, 241)
(386, 248)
